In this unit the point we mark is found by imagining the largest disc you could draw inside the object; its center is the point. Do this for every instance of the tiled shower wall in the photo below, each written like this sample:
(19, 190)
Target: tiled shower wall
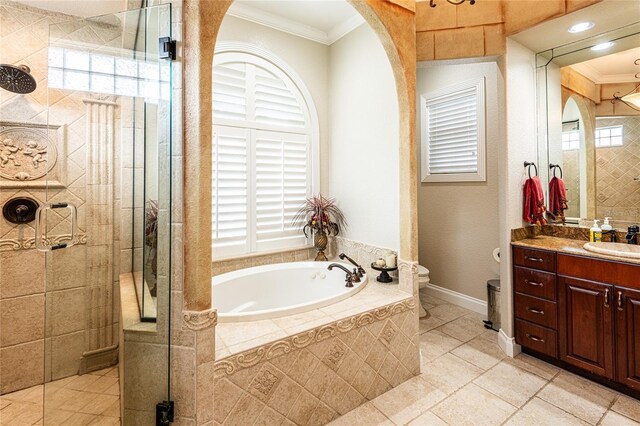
(618, 193)
(81, 313)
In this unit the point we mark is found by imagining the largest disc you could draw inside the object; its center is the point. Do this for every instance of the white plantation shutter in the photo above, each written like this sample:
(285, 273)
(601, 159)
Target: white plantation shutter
(230, 88)
(453, 133)
(230, 179)
(282, 184)
(261, 156)
(275, 103)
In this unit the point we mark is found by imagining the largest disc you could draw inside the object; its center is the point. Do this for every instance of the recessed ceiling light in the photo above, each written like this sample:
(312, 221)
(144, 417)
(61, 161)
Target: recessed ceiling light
(580, 27)
(602, 46)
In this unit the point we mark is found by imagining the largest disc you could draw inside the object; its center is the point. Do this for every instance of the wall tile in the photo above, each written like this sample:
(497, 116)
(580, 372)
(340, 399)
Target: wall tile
(523, 14)
(435, 18)
(21, 320)
(459, 43)
(22, 366)
(22, 273)
(425, 47)
(482, 13)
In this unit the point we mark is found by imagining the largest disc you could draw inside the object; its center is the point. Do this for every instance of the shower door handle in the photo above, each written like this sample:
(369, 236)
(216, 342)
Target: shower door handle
(45, 242)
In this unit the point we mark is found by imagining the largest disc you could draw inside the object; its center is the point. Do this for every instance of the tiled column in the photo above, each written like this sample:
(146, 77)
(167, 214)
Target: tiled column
(100, 126)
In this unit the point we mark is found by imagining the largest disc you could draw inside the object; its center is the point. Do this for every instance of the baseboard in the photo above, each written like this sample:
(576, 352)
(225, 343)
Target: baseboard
(508, 344)
(459, 299)
(98, 359)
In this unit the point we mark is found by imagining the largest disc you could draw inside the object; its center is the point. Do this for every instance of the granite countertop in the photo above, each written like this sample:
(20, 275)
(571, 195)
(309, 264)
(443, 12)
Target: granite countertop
(567, 246)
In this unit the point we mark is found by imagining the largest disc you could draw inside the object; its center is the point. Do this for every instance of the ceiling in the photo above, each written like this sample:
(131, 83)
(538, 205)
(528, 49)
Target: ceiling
(616, 68)
(323, 21)
(606, 15)
(82, 8)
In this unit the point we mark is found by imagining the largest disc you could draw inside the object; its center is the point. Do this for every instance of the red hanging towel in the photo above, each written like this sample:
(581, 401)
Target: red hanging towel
(533, 211)
(557, 198)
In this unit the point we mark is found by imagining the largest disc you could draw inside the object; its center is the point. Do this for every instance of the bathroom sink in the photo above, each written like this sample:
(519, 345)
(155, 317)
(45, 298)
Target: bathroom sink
(614, 249)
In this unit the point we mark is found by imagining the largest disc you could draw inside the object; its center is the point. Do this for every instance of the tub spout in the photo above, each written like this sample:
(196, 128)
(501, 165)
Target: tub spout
(352, 277)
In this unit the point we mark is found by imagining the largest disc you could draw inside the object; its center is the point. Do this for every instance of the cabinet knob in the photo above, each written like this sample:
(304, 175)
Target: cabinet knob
(533, 283)
(534, 259)
(606, 298)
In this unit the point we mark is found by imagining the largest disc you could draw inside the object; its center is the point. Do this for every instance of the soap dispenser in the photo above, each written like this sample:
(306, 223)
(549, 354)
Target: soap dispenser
(606, 226)
(595, 234)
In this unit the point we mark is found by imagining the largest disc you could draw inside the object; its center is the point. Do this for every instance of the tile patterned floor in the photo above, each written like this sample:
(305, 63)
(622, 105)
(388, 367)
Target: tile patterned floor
(467, 380)
(90, 399)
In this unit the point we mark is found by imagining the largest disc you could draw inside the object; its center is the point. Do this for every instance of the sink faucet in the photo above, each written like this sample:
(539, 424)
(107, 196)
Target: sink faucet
(352, 277)
(361, 270)
(632, 234)
(612, 232)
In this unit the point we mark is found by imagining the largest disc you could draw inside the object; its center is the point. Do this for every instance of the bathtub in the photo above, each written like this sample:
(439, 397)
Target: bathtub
(278, 290)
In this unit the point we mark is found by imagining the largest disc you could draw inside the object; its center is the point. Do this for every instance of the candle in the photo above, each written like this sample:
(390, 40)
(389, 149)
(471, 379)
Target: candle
(380, 262)
(390, 260)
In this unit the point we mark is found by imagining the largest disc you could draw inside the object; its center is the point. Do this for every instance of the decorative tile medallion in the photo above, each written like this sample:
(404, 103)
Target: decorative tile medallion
(265, 382)
(335, 355)
(388, 333)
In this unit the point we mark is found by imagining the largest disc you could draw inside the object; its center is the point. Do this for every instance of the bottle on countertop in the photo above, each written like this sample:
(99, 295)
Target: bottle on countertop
(595, 234)
(606, 226)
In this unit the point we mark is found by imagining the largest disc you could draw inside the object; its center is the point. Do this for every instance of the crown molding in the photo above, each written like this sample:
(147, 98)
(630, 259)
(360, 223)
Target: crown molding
(598, 78)
(289, 26)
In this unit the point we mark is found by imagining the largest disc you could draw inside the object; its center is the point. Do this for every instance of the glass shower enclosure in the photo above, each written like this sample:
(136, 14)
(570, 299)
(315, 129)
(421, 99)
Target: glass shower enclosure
(104, 223)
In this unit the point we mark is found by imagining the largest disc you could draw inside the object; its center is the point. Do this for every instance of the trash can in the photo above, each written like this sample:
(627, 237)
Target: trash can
(493, 305)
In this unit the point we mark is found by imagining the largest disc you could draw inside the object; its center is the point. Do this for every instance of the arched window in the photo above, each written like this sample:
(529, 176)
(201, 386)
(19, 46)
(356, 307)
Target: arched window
(264, 149)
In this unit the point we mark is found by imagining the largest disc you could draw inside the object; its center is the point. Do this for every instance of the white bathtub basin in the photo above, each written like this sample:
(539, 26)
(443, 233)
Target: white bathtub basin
(614, 249)
(282, 289)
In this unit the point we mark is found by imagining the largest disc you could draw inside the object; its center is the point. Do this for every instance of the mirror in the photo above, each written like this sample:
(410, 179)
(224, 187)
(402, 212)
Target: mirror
(588, 136)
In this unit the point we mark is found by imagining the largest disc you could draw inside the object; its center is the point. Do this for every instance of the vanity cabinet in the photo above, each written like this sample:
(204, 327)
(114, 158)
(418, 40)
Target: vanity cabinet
(586, 325)
(628, 336)
(535, 303)
(584, 312)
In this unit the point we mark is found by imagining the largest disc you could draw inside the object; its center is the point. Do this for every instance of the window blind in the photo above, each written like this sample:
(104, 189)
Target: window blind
(452, 132)
(230, 179)
(282, 183)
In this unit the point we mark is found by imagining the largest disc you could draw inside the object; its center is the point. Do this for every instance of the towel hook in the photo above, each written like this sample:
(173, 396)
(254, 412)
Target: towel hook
(528, 165)
(554, 167)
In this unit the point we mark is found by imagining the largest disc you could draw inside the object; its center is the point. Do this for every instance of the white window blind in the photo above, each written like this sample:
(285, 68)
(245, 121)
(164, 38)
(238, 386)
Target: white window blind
(230, 179)
(282, 184)
(261, 157)
(453, 142)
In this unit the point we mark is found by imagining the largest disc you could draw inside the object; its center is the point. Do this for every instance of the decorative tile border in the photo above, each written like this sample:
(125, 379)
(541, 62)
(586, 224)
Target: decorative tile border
(10, 244)
(247, 359)
(199, 320)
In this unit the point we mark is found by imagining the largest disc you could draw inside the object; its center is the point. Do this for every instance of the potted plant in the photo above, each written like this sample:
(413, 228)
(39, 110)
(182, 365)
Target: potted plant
(320, 217)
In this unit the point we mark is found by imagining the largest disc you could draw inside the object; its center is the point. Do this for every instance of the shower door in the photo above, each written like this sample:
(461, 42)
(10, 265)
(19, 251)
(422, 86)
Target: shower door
(104, 223)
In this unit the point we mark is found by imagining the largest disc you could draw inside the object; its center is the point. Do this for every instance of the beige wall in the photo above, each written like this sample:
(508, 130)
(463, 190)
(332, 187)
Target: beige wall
(363, 169)
(458, 222)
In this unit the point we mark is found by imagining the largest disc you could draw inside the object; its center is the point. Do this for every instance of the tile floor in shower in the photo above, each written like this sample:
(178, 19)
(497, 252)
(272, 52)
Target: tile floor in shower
(90, 399)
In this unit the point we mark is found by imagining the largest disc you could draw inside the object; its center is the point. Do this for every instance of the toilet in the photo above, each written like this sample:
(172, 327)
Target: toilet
(423, 280)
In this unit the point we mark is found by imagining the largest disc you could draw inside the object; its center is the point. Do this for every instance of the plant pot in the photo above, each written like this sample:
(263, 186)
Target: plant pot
(320, 241)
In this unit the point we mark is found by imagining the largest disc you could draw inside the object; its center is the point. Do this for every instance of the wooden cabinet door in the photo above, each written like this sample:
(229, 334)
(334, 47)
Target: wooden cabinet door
(627, 303)
(586, 325)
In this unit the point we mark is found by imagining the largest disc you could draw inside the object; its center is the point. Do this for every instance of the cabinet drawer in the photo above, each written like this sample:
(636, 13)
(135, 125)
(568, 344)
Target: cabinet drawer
(537, 311)
(536, 259)
(535, 283)
(536, 338)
